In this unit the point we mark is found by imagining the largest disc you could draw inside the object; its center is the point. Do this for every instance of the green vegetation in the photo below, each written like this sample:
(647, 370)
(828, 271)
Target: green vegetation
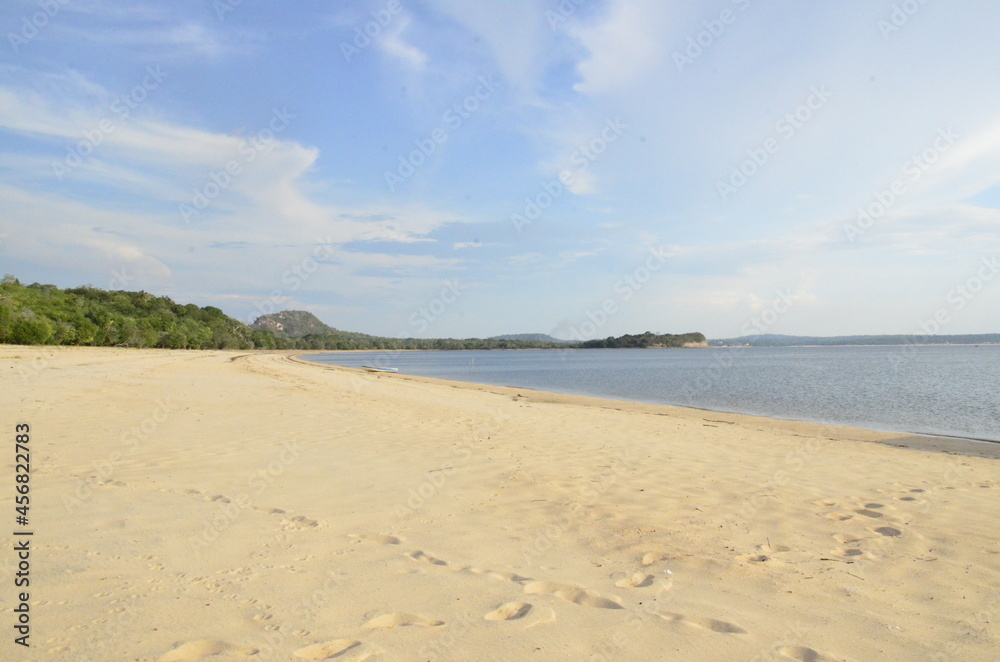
(646, 340)
(532, 336)
(46, 315)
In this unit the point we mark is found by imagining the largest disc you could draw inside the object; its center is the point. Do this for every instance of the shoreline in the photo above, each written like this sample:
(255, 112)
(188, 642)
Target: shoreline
(897, 438)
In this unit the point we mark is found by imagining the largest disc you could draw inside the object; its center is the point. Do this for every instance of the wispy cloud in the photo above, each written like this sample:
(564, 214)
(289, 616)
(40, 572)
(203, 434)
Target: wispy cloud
(394, 44)
(622, 45)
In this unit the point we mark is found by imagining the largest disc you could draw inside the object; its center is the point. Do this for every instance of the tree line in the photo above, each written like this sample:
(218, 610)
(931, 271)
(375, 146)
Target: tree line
(39, 314)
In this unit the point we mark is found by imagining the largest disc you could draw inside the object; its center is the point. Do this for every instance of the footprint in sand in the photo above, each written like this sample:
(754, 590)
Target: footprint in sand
(326, 650)
(195, 650)
(704, 623)
(849, 553)
(389, 621)
(888, 531)
(874, 514)
(839, 517)
(636, 580)
(378, 538)
(654, 557)
(803, 654)
(420, 556)
(508, 612)
(588, 599)
(574, 594)
(505, 576)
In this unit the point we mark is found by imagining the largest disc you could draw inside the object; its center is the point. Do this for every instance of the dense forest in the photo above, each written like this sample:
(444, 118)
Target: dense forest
(46, 315)
(647, 340)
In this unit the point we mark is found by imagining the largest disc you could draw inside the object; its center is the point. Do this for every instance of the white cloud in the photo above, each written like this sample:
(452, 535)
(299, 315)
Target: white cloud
(184, 40)
(395, 45)
(623, 46)
(265, 210)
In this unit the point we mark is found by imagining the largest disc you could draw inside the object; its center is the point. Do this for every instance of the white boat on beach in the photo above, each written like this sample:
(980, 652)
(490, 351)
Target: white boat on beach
(373, 368)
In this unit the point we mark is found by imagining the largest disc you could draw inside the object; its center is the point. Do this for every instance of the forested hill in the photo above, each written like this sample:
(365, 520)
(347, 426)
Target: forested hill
(46, 315)
(293, 324)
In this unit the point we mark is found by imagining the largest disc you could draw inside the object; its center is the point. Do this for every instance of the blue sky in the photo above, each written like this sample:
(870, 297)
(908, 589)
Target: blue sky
(454, 168)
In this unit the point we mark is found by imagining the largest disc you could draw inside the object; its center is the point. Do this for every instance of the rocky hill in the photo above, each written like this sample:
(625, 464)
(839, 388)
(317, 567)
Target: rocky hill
(292, 324)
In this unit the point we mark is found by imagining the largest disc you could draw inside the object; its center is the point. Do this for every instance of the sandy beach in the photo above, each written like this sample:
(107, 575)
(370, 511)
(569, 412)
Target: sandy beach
(229, 506)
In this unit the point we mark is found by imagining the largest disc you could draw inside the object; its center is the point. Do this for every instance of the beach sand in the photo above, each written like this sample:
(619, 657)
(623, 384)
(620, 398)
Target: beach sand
(229, 506)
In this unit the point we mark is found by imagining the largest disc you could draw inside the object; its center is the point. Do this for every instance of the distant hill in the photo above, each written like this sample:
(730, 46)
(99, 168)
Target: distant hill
(536, 337)
(775, 340)
(292, 324)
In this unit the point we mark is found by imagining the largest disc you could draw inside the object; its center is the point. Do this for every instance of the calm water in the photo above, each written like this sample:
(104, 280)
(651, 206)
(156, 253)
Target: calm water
(946, 390)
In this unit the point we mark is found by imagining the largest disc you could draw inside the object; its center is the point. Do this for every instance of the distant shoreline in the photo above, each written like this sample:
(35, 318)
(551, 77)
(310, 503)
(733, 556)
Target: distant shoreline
(923, 344)
(929, 441)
